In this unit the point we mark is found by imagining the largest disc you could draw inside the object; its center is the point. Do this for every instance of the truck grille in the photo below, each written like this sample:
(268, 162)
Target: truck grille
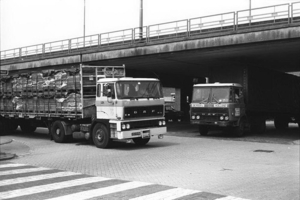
(209, 114)
(144, 124)
(143, 111)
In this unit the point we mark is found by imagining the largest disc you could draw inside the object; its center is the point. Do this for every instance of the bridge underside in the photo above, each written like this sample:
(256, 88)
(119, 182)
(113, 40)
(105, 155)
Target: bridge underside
(281, 55)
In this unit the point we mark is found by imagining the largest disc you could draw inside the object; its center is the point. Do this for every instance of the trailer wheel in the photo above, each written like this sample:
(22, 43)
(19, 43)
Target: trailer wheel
(27, 127)
(58, 132)
(241, 128)
(140, 141)
(101, 137)
(203, 130)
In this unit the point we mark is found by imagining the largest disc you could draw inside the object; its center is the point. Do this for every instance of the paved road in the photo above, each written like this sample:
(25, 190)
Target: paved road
(19, 181)
(217, 166)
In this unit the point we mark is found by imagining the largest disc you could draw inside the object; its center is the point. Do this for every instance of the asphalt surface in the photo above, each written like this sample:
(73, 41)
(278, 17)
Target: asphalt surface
(212, 167)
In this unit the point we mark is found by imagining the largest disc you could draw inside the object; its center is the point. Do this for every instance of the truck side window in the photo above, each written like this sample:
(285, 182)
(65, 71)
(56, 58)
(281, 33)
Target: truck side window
(236, 95)
(109, 87)
(98, 90)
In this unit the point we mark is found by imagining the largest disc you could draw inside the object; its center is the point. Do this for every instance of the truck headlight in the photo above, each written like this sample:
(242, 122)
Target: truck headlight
(193, 117)
(198, 117)
(221, 118)
(128, 126)
(226, 117)
(123, 126)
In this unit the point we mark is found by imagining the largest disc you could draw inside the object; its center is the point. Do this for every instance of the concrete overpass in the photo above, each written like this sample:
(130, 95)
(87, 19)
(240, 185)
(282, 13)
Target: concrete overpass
(192, 46)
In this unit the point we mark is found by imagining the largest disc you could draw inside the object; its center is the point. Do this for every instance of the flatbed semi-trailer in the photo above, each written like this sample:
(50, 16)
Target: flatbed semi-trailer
(94, 102)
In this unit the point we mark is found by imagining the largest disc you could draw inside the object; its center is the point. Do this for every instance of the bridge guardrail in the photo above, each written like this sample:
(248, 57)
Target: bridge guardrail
(270, 15)
(168, 30)
(56, 46)
(244, 19)
(140, 34)
(212, 23)
(295, 12)
(116, 38)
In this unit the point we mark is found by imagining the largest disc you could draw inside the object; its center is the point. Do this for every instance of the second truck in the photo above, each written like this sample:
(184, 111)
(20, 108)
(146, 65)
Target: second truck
(242, 99)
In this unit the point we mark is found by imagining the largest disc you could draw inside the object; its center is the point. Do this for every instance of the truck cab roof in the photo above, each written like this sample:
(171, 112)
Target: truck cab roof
(125, 79)
(218, 85)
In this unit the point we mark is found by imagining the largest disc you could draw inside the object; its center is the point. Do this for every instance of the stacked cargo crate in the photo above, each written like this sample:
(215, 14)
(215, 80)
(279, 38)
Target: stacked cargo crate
(54, 92)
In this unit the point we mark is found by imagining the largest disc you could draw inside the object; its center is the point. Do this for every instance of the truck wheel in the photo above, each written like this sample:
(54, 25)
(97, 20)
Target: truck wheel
(203, 130)
(241, 128)
(27, 127)
(140, 141)
(281, 123)
(58, 132)
(101, 137)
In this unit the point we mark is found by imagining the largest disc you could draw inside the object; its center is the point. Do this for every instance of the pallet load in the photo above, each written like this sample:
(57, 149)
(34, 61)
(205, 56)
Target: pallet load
(43, 92)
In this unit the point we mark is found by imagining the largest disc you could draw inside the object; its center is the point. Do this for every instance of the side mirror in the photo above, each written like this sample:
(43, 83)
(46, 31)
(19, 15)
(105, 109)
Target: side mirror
(109, 92)
(187, 99)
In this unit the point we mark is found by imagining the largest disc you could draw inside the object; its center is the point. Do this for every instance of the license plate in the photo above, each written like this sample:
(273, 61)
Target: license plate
(146, 134)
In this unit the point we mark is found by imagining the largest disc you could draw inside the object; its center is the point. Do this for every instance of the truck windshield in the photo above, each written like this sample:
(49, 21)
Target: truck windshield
(211, 94)
(138, 89)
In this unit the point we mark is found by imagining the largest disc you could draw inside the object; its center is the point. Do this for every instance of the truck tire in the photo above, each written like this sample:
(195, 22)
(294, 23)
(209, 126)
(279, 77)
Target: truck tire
(101, 137)
(27, 127)
(140, 141)
(58, 132)
(241, 128)
(281, 123)
(203, 130)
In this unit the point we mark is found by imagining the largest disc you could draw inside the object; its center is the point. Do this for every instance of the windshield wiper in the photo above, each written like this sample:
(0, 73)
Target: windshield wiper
(214, 99)
(204, 100)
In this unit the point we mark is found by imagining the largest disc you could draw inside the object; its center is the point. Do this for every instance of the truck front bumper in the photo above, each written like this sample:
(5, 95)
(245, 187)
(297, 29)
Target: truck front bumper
(144, 133)
(215, 123)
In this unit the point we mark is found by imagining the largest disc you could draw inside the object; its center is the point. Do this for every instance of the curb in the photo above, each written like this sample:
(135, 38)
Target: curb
(7, 156)
(5, 141)
(3, 155)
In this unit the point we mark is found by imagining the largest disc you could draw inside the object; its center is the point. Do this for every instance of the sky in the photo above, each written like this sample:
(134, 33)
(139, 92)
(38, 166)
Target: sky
(30, 22)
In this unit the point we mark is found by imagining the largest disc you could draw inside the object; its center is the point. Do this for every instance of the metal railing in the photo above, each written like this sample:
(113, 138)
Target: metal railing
(295, 12)
(225, 22)
(212, 23)
(270, 15)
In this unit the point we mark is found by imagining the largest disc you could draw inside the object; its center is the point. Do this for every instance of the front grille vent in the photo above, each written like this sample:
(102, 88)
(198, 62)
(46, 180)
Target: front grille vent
(143, 111)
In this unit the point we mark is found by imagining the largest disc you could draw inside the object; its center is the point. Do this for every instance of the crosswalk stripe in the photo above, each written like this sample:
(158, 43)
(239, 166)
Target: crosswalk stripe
(230, 198)
(167, 194)
(12, 165)
(102, 191)
(50, 187)
(36, 178)
(20, 171)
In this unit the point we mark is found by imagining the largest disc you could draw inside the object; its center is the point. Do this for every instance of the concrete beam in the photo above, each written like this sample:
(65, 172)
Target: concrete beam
(236, 39)
(174, 46)
(43, 63)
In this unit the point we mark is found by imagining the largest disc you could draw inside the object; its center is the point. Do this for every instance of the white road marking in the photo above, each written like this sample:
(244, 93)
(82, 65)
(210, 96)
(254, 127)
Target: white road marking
(102, 191)
(20, 171)
(36, 178)
(167, 194)
(49, 187)
(12, 165)
(230, 198)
